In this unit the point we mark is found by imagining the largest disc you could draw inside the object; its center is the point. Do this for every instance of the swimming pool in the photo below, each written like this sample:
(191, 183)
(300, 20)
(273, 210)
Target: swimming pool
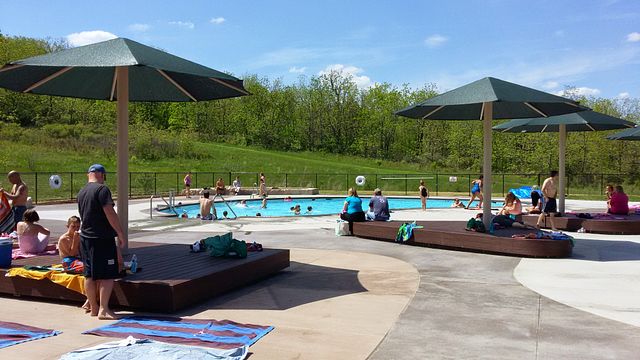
(320, 206)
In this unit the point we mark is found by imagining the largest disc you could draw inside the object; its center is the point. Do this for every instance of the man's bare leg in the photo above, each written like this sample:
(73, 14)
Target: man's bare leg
(106, 287)
(553, 222)
(90, 286)
(540, 219)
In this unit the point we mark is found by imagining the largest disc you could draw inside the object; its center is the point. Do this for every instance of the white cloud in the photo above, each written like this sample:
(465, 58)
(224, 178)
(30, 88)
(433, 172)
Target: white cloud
(633, 37)
(139, 27)
(184, 24)
(623, 95)
(550, 85)
(217, 20)
(435, 40)
(579, 91)
(361, 81)
(297, 70)
(89, 37)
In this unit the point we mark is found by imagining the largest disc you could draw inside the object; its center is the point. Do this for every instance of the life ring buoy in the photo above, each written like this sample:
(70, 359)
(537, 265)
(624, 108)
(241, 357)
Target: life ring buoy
(55, 181)
(360, 180)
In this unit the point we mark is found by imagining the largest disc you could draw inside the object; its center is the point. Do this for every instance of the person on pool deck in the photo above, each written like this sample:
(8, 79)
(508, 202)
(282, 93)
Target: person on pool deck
(536, 201)
(28, 232)
(619, 202)
(549, 192)
(512, 208)
(476, 192)
(236, 185)
(18, 195)
(69, 242)
(187, 185)
(206, 205)
(352, 209)
(220, 187)
(378, 207)
(424, 194)
(98, 249)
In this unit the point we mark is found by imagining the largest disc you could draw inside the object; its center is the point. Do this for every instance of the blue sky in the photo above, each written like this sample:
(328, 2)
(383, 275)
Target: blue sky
(592, 45)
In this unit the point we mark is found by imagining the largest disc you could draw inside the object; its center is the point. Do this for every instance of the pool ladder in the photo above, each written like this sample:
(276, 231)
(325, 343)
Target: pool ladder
(226, 203)
(171, 204)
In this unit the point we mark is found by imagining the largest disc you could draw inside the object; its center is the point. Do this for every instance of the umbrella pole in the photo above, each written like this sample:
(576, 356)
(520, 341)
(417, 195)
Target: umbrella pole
(562, 141)
(122, 74)
(486, 163)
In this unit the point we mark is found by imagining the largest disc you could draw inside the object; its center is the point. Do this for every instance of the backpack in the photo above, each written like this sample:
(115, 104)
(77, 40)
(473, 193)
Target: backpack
(476, 225)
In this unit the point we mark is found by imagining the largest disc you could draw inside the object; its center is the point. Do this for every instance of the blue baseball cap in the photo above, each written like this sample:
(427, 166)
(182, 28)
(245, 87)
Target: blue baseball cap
(97, 168)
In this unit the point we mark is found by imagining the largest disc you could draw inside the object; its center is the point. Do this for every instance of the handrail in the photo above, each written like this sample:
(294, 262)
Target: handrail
(226, 203)
(173, 208)
(151, 206)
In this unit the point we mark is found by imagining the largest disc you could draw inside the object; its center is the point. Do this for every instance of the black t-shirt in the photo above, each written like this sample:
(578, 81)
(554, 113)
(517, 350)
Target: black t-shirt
(91, 198)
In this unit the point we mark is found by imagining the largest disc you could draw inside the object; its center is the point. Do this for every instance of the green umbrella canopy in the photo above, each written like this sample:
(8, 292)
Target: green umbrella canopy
(89, 72)
(510, 101)
(581, 121)
(629, 134)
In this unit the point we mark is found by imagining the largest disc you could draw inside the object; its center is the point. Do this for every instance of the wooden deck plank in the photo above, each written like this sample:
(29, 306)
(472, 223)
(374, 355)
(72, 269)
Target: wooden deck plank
(171, 278)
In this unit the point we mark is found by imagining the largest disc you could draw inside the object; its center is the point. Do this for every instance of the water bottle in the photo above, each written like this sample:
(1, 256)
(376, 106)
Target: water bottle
(134, 264)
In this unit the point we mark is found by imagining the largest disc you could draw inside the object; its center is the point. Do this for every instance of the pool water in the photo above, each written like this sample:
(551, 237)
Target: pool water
(320, 206)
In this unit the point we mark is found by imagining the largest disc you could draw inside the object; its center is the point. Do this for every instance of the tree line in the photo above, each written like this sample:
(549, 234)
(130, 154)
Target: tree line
(323, 113)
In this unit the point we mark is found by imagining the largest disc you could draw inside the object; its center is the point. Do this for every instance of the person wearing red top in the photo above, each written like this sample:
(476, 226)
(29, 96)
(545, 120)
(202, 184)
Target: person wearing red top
(619, 202)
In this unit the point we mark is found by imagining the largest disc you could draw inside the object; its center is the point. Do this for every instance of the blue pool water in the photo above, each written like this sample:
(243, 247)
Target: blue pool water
(320, 206)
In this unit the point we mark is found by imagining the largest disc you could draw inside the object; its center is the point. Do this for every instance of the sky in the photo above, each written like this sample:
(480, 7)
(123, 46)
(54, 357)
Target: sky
(591, 45)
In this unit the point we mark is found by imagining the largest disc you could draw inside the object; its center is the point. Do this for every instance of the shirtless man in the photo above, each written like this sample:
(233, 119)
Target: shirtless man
(206, 205)
(549, 191)
(18, 195)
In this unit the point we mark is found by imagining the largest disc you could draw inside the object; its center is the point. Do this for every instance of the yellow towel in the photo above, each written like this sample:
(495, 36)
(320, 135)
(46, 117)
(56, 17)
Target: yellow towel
(74, 282)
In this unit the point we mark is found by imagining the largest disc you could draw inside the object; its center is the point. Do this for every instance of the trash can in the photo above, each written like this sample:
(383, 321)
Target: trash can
(6, 245)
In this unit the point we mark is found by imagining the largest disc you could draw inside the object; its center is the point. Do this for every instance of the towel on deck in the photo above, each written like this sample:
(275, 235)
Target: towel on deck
(73, 282)
(14, 333)
(17, 254)
(221, 334)
(132, 348)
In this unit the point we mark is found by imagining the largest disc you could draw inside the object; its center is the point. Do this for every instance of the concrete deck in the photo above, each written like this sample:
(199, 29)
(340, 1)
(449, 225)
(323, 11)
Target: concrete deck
(352, 298)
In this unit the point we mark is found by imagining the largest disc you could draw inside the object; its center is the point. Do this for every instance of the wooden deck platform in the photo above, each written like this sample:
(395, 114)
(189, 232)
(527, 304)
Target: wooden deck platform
(611, 224)
(452, 235)
(171, 279)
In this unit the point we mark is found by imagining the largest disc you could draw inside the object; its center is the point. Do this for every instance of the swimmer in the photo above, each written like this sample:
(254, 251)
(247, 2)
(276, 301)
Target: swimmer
(309, 209)
(258, 214)
(242, 203)
(225, 214)
(296, 209)
(288, 198)
(457, 203)
(184, 215)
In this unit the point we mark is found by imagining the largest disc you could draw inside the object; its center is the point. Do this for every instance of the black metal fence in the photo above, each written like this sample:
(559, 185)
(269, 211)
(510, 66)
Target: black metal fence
(143, 184)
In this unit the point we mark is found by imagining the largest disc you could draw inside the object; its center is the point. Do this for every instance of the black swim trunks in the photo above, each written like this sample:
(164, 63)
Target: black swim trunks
(100, 258)
(550, 206)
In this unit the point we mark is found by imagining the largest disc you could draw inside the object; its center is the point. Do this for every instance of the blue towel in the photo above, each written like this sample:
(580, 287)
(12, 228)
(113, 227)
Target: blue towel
(14, 333)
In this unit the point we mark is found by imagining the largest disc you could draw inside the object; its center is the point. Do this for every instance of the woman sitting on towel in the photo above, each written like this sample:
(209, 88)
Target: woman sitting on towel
(619, 202)
(507, 215)
(29, 234)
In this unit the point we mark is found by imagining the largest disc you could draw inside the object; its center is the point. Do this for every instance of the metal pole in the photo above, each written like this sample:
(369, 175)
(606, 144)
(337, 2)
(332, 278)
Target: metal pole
(406, 184)
(561, 166)
(177, 183)
(196, 174)
(437, 184)
(503, 193)
(316, 181)
(122, 84)
(376, 181)
(486, 166)
(286, 180)
(71, 187)
(155, 183)
(601, 184)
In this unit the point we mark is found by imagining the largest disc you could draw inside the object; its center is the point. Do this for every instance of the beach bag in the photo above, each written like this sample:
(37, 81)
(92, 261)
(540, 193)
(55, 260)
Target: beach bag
(7, 222)
(476, 225)
(237, 249)
(342, 228)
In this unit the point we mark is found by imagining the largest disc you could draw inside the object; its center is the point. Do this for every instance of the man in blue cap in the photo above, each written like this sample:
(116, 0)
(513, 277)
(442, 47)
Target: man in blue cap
(98, 249)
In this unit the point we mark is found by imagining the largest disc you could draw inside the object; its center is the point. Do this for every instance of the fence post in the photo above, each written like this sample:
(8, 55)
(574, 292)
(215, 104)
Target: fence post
(36, 187)
(469, 184)
(437, 184)
(229, 183)
(196, 174)
(155, 183)
(346, 177)
(317, 182)
(177, 183)
(503, 193)
(71, 187)
(601, 184)
(538, 179)
(376, 181)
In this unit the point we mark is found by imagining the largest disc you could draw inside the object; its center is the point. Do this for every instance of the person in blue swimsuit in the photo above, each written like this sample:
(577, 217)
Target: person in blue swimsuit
(476, 192)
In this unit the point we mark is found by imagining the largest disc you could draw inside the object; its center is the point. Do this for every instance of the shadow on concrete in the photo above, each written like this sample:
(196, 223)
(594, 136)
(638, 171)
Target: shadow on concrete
(606, 250)
(300, 284)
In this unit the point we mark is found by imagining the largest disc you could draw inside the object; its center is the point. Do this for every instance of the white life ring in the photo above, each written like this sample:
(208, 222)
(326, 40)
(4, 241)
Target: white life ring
(55, 181)
(360, 180)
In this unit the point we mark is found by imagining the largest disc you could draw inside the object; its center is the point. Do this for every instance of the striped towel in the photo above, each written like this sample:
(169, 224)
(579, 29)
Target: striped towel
(14, 333)
(223, 334)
